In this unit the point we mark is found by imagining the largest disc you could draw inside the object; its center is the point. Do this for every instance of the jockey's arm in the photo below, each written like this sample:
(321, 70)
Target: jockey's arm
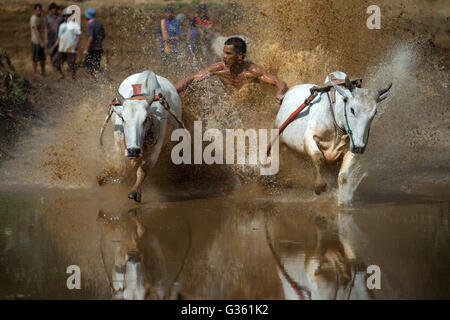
(266, 77)
(202, 75)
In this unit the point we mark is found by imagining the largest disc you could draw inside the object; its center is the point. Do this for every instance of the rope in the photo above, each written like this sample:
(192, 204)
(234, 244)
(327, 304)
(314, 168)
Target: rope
(294, 285)
(350, 132)
(104, 265)
(336, 126)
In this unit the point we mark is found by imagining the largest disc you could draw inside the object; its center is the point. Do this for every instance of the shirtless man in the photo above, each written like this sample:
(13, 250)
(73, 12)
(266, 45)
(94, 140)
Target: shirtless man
(235, 71)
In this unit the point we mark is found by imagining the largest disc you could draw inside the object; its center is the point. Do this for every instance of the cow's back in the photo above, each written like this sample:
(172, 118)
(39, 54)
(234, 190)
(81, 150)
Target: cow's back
(294, 133)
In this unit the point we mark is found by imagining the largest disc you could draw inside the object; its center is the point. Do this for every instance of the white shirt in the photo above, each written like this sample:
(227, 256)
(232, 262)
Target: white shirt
(68, 32)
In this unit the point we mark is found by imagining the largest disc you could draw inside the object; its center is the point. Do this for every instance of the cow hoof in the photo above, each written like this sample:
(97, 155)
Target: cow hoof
(319, 188)
(101, 179)
(134, 195)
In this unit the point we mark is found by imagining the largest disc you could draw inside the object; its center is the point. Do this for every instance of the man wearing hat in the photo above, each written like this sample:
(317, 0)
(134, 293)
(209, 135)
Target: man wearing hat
(94, 48)
(51, 25)
(169, 31)
(67, 43)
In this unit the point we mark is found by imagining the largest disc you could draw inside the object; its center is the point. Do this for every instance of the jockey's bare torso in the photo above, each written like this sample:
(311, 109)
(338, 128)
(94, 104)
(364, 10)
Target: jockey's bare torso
(249, 72)
(234, 71)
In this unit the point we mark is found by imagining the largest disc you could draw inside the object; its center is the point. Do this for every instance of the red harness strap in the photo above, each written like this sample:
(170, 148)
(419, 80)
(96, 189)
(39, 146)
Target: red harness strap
(290, 119)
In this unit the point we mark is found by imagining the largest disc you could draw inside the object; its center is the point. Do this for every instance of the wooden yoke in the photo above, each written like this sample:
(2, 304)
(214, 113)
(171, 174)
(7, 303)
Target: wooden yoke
(327, 86)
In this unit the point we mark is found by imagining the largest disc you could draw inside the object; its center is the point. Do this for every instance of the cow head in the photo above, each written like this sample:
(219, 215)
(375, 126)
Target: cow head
(136, 119)
(360, 107)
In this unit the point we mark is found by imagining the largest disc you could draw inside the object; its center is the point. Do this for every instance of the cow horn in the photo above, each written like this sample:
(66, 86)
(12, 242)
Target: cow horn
(104, 125)
(383, 91)
(348, 84)
(151, 97)
(120, 97)
(340, 90)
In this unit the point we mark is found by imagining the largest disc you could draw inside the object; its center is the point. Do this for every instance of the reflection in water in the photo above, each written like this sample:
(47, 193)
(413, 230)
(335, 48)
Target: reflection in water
(323, 268)
(139, 268)
(221, 248)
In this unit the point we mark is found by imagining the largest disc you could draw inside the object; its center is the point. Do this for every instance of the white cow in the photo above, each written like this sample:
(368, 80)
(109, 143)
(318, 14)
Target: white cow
(130, 278)
(141, 119)
(323, 267)
(327, 138)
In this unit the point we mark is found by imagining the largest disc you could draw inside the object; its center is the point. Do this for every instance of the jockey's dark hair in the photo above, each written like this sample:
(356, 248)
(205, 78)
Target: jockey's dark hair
(238, 44)
(37, 5)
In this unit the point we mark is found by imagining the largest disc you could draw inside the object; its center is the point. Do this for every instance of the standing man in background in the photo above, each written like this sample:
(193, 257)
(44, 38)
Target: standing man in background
(52, 22)
(67, 43)
(37, 42)
(201, 31)
(169, 31)
(94, 48)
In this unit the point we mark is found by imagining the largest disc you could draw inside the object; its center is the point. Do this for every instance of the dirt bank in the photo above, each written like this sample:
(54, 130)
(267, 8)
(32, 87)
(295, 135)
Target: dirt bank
(17, 112)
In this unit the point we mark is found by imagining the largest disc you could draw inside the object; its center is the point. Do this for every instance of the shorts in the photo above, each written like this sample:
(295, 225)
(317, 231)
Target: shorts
(37, 52)
(93, 59)
(61, 57)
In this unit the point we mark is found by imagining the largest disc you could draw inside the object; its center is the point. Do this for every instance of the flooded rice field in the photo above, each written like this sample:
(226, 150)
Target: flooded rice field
(223, 231)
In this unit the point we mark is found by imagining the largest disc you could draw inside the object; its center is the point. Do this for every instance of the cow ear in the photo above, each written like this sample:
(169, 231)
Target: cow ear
(118, 110)
(348, 84)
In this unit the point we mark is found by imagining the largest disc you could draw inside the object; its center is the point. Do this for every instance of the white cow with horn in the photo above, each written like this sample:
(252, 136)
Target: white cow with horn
(328, 132)
(145, 103)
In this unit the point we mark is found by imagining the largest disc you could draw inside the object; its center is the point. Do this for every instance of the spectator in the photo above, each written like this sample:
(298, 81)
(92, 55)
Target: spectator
(52, 22)
(96, 34)
(67, 43)
(201, 30)
(37, 42)
(169, 31)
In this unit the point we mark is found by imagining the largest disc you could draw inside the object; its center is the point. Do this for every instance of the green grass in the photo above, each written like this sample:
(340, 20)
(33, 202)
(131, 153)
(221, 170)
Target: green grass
(194, 4)
(17, 88)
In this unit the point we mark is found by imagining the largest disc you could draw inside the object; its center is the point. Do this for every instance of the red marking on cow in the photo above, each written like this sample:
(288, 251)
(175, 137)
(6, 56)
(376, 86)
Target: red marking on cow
(136, 89)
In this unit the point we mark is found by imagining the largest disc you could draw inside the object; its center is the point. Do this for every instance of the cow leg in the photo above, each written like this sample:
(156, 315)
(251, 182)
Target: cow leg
(136, 193)
(318, 159)
(349, 178)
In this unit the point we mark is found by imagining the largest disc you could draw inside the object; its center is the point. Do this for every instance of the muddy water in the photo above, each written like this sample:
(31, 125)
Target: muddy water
(225, 247)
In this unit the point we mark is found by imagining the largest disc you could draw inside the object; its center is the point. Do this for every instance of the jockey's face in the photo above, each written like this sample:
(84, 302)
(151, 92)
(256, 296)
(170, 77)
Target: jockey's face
(230, 57)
